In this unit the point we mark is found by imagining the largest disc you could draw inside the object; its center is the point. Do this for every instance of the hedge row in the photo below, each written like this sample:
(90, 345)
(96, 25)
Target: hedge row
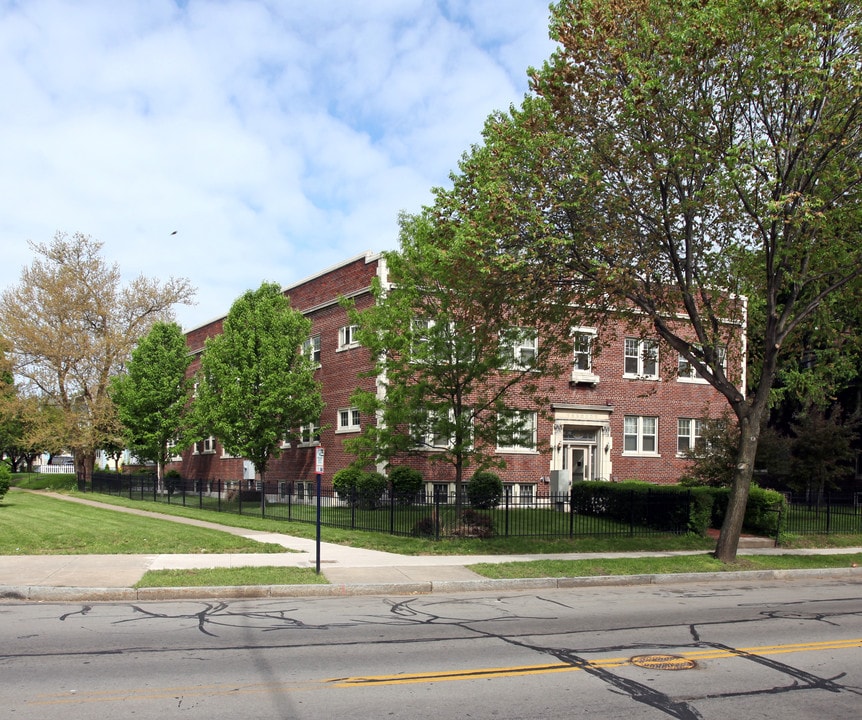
(674, 508)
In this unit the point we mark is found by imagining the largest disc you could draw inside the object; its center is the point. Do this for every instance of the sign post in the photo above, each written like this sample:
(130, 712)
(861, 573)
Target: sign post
(318, 469)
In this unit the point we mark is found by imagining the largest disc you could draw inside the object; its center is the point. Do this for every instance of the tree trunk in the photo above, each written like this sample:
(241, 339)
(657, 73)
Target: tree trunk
(731, 529)
(85, 461)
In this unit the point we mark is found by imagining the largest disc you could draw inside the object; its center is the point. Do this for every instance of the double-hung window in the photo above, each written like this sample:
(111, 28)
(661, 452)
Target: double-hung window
(438, 429)
(348, 420)
(641, 358)
(309, 434)
(686, 371)
(640, 435)
(583, 341)
(174, 450)
(206, 446)
(311, 349)
(347, 337)
(516, 431)
(518, 347)
(688, 434)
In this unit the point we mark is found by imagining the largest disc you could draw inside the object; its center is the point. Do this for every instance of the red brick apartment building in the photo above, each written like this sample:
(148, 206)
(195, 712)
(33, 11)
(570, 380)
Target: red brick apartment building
(612, 418)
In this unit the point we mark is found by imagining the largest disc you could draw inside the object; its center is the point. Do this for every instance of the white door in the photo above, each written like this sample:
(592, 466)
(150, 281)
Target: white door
(576, 459)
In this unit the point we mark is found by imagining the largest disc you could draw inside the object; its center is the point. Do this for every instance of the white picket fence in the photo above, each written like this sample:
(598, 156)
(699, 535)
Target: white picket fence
(55, 469)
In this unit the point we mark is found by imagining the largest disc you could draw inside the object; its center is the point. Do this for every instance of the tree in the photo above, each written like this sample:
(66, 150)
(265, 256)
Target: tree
(822, 453)
(9, 431)
(255, 386)
(675, 155)
(72, 326)
(153, 396)
(457, 362)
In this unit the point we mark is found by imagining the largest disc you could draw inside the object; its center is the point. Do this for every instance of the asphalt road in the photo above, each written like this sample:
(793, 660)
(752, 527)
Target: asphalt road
(789, 650)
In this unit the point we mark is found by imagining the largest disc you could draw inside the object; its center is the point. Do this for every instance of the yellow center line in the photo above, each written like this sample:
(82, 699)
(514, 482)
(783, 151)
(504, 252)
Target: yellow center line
(500, 672)
(231, 689)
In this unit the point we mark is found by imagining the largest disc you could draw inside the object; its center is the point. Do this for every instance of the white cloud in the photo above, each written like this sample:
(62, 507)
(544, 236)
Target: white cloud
(277, 138)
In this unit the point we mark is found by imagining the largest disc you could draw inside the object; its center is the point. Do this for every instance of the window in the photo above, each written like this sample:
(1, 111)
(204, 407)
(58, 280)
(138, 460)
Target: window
(516, 432)
(640, 435)
(582, 365)
(518, 348)
(526, 494)
(641, 358)
(686, 372)
(437, 430)
(173, 450)
(309, 434)
(207, 445)
(311, 349)
(688, 434)
(348, 420)
(347, 337)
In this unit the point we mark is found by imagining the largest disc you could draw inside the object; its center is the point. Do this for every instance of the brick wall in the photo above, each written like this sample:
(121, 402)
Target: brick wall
(608, 402)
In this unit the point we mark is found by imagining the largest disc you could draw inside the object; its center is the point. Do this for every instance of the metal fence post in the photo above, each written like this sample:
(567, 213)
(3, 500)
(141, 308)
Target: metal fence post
(508, 490)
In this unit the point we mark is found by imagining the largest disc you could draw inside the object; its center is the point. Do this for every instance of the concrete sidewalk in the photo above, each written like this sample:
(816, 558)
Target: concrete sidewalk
(348, 570)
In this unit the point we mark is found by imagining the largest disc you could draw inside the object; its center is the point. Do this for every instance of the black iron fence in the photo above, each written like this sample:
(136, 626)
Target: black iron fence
(439, 514)
(822, 514)
(435, 514)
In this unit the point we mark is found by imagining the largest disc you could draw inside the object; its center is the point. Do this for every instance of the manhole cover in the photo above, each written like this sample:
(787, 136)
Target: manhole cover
(663, 662)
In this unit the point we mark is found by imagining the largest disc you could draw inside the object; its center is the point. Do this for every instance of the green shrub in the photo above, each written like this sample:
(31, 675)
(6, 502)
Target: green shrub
(406, 483)
(761, 514)
(700, 517)
(346, 483)
(371, 487)
(474, 524)
(633, 502)
(484, 490)
(5, 480)
(425, 528)
(359, 487)
(172, 481)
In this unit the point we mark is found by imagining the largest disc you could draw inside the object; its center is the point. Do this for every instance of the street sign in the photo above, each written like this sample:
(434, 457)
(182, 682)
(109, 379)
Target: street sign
(318, 465)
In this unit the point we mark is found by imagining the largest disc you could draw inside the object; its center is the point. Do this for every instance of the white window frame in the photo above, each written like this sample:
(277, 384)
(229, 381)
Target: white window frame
(526, 498)
(207, 446)
(311, 349)
(644, 430)
(530, 419)
(430, 442)
(688, 431)
(173, 445)
(644, 355)
(347, 337)
(309, 435)
(348, 420)
(582, 335)
(687, 373)
(513, 348)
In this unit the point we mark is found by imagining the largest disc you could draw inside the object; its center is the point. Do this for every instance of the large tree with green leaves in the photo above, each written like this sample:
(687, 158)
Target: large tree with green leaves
(679, 154)
(72, 325)
(255, 386)
(153, 396)
(457, 362)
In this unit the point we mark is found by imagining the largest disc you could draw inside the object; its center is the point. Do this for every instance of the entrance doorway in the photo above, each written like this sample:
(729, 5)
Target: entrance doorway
(579, 462)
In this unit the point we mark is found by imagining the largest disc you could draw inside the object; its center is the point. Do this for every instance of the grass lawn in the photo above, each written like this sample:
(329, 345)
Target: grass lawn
(231, 577)
(35, 524)
(32, 524)
(660, 565)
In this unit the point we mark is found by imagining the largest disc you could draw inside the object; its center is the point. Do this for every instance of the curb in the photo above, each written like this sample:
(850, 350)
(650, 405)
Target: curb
(70, 594)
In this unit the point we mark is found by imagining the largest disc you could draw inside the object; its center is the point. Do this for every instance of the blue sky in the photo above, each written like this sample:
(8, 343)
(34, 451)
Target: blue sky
(277, 138)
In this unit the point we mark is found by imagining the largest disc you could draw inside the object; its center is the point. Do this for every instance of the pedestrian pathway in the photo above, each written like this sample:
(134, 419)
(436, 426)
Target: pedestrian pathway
(348, 570)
